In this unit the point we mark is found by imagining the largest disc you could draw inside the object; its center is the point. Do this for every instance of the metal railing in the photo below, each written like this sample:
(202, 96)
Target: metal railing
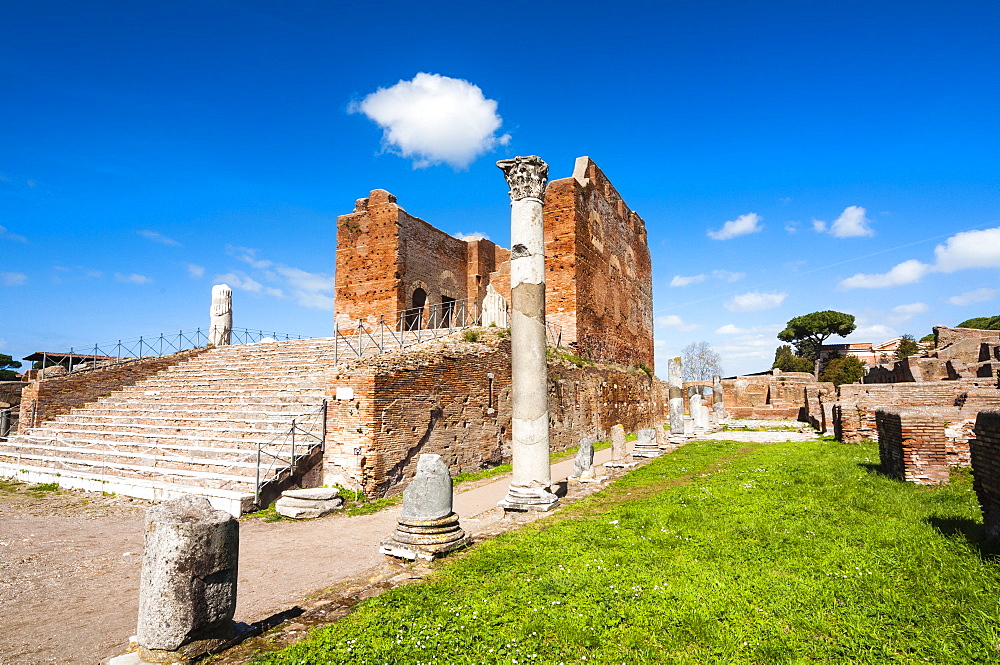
(103, 354)
(388, 332)
(8, 421)
(277, 458)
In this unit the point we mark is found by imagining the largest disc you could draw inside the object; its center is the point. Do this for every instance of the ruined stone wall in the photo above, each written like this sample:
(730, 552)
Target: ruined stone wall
(986, 469)
(918, 446)
(48, 398)
(943, 335)
(598, 270)
(10, 392)
(782, 396)
(443, 400)
(854, 410)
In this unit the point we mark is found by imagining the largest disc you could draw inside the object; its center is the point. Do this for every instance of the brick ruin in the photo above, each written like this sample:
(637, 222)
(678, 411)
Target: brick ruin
(599, 294)
(985, 451)
(196, 420)
(921, 444)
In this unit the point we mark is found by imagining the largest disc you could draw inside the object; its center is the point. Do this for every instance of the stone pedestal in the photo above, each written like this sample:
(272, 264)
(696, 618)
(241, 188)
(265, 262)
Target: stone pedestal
(718, 400)
(620, 459)
(688, 429)
(583, 465)
(678, 435)
(426, 528)
(187, 593)
(531, 478)
(646, 444)
(663, 440)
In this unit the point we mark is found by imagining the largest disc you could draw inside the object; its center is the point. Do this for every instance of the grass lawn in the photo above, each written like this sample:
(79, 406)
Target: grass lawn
(717, 553)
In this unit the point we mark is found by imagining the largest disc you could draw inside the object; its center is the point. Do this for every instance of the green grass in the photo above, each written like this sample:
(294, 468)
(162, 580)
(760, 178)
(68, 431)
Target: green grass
(44, 487)
(717, 553)
(369, 507)
(506, 468)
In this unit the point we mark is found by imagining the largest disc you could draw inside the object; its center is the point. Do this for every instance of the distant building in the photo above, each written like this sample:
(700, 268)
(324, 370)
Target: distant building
(869, 353)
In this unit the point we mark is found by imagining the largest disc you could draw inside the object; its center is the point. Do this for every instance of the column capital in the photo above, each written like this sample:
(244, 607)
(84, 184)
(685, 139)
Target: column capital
(526, 176)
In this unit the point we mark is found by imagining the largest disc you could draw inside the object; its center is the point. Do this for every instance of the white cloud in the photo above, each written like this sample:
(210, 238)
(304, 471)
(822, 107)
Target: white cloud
(742, 225)
(852, 223)
(475, 235)
(248, 255)
(13, 278)
(240, 280)
(755, 301)
(434, 119)
(906, 272)
(819, 226)
(971, 297)
(730, 329)
(310, 289)
(7, 235)
(792, 227)
(195, 271)
(674, 321)
(910, 310)
(158, 237)
(132, 278)
(969, 249)
(680, 280)
(728, 276)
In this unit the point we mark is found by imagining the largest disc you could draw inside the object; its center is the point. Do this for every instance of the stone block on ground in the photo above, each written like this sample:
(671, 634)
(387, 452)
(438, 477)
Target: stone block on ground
(188, 582)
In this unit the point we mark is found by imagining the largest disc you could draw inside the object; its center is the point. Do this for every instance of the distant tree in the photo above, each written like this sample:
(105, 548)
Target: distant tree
(982, 323)
(908, 347)
(787, 361)
(6, 363)
(699, 362)
(809, 331)
(842, 369)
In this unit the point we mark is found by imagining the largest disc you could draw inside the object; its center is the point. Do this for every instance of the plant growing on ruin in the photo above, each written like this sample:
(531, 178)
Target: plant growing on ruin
(471, 335)
(809, 331)
(843, 369)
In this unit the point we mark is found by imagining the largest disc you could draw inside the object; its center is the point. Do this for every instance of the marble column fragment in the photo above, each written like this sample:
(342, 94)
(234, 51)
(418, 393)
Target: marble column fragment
(700, 426)
(427, 526)
(531, 478)
(187, 588)
(620, 459)
(676, 401)
(220, 326)
(583, 465)
(718, 399)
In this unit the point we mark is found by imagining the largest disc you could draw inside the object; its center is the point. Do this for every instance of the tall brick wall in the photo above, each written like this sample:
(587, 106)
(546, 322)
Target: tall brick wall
(986, 469)
(917, 445)
(48, 398)
(599, 294)
(598, 269)
(443, 401)
(782, 395)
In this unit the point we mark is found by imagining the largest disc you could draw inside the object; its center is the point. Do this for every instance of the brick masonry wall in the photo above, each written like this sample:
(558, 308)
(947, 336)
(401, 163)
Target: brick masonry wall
(944, 335)
(439, 400)
(48, 398)
(854, 410)
(986, 469)
(913, 444)
(10, 392)
(598, 268)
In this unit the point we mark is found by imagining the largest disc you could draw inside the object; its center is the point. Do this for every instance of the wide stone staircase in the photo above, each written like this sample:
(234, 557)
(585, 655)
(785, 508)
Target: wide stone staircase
(219, 425)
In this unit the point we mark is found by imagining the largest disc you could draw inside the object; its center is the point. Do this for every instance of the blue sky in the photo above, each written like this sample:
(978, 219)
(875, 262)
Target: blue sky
(787, 157)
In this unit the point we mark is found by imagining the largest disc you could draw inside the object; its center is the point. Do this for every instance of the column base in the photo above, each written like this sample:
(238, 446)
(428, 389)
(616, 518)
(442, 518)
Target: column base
(424, 539)
(521, 499)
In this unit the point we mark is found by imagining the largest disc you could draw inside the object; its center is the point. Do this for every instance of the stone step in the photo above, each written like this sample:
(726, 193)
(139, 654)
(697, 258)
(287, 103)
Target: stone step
(247, 396)
(157, 417)
(178, 449)
(235, 502)
(240, 460)
(261, 411)
(197, 436)
(236, 428)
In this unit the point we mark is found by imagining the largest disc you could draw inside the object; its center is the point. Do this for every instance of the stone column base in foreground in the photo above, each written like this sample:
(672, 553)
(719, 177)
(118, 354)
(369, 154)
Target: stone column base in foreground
(425, 539)
(520, 499)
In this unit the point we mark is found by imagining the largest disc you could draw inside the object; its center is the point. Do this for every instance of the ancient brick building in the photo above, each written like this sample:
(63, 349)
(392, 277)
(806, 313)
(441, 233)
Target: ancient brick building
(599, 295)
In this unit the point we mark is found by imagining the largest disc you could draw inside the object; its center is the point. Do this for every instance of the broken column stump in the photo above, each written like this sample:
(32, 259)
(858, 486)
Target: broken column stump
(187, 592)
(583, 465)
(427, 528)
(620, 459)
(646, 444)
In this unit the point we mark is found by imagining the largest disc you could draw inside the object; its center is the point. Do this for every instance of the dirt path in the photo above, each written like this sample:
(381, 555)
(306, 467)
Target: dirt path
(69, 565)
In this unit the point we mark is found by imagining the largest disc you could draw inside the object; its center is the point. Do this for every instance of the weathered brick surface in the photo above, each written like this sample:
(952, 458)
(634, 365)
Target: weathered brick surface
(44, 399)
(986, 469)
(598, 272)
(440, 400)
(919, 445)
(781, 396)
(854, 410)
(10, 392)
(944, 335)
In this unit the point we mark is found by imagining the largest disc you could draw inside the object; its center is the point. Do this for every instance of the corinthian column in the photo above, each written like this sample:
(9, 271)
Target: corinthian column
(529, 487)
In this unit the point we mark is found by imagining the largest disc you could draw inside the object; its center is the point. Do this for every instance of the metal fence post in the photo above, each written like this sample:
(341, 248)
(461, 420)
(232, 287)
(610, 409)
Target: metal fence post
(256, 483)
